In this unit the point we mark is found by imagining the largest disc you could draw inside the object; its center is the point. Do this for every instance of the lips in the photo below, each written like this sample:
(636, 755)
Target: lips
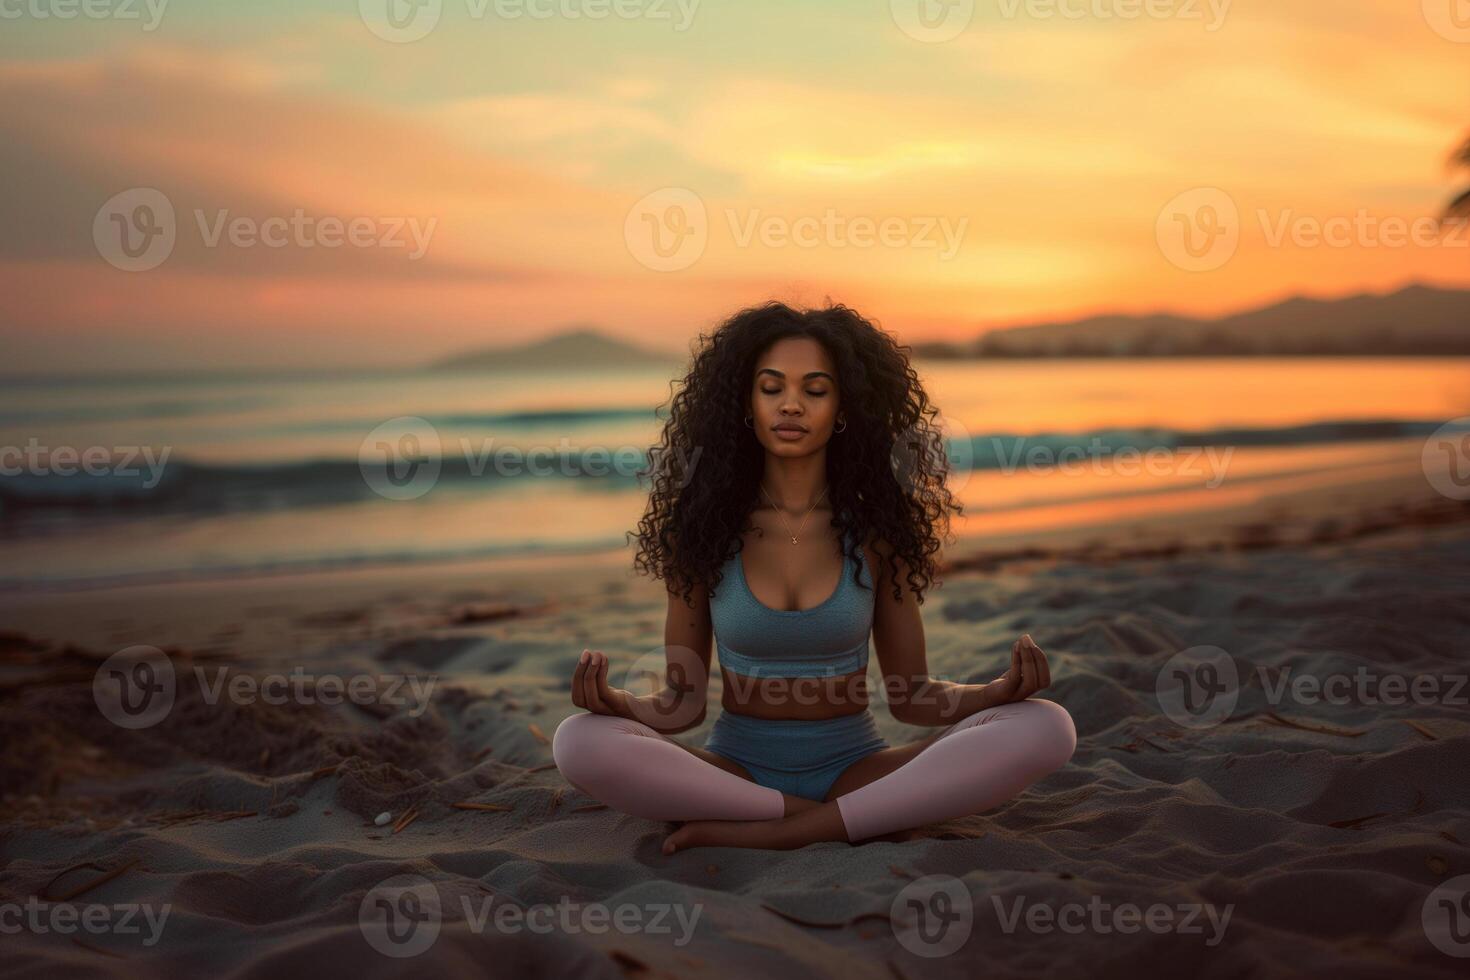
(788, 427)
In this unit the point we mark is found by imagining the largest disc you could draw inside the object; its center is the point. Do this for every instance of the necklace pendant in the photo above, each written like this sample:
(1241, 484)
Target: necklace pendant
(793, 540)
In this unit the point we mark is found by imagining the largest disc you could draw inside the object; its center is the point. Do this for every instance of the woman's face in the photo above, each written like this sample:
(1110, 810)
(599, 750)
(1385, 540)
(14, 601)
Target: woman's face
(794, 398)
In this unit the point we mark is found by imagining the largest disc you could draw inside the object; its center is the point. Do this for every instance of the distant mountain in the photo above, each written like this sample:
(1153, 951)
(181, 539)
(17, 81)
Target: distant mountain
(580, 347)
(1415, 320)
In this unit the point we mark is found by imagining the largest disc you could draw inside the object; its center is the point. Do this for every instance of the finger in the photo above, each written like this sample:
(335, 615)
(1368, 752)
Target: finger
(1028, 672)
(604, 693)
(599, 684)
(581, 669)
(589, 683)
(1043, 667)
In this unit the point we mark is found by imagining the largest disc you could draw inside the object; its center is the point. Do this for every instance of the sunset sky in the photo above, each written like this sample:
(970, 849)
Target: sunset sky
(1049, 146)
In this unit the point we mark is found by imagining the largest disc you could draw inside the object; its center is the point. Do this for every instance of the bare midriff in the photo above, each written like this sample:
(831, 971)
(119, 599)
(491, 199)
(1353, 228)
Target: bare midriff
(795, 698)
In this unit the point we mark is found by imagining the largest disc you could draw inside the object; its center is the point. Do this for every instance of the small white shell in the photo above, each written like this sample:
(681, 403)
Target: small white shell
(383, 818)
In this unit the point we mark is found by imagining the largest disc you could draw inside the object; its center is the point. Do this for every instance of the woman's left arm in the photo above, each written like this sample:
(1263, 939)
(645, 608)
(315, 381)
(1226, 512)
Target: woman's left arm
(916, 698)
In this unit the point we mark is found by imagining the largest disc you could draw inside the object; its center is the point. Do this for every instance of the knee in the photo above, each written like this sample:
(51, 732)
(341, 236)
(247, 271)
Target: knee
(1056, 735)
(578, 744)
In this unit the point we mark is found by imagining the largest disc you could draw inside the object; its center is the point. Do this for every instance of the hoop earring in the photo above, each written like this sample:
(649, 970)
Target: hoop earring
(750, 421)
(843, 423)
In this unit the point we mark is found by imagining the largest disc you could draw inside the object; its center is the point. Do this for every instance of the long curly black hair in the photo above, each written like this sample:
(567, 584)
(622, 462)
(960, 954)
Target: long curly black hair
(885, 471)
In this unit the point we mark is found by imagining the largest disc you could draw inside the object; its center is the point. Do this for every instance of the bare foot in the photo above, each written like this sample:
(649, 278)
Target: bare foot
(726, 833)
(819, 823)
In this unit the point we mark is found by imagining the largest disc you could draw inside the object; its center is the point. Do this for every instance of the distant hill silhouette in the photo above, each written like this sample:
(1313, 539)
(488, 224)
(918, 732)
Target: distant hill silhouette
(581, 347)
(1415, 320)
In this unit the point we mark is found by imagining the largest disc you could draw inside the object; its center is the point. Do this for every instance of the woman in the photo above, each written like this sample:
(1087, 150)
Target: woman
(809, 521)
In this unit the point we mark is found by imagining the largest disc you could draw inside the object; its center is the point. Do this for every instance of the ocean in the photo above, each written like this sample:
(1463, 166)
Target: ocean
(118, 479)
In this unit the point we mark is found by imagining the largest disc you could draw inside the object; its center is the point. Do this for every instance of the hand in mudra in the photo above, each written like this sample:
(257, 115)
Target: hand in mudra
(1028, 673)
(590, 689)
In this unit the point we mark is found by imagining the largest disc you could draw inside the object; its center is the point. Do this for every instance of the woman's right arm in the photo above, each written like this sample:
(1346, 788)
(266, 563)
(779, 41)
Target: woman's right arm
(681, 702)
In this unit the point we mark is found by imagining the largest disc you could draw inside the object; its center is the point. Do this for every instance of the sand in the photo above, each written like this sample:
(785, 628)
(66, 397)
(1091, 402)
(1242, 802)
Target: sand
(1298, 836)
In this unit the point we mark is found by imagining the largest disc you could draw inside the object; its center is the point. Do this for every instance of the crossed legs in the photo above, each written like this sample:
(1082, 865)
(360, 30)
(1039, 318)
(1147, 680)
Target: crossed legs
(970, 767)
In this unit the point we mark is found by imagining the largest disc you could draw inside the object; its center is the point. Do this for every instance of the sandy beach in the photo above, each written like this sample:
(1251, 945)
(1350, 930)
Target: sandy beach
(1302, 832)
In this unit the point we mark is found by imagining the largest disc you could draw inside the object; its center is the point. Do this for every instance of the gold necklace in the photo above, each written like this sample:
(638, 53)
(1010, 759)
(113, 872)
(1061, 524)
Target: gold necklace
(779, 514)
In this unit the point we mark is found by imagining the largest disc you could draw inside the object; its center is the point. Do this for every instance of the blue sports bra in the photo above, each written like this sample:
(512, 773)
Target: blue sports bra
(827, 640)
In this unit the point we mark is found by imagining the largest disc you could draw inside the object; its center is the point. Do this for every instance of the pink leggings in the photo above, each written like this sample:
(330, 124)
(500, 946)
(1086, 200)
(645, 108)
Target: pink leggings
(975, 764)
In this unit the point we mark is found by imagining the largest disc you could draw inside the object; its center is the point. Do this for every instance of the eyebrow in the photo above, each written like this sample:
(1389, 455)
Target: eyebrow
(805, 377)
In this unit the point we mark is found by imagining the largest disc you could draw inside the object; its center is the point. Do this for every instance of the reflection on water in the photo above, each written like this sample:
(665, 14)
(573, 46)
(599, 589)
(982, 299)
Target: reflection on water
(263, 473)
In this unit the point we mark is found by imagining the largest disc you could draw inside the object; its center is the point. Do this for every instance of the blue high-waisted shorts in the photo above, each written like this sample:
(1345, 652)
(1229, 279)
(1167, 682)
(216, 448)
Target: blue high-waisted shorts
(802, 758)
